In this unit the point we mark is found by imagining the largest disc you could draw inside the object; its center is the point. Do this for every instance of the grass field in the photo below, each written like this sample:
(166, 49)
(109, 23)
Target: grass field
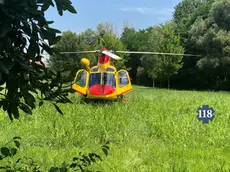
(156, 131)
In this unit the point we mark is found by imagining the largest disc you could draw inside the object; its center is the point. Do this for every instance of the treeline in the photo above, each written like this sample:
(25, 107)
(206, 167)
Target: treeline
(198, 27)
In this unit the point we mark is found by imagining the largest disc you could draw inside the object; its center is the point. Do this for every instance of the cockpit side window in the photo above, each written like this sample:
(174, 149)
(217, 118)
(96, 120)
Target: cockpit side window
(123, 79)
(81, 78)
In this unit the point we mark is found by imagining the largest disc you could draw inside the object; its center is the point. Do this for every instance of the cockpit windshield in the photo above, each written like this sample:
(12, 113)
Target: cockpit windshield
(107, 79)
(95, 78)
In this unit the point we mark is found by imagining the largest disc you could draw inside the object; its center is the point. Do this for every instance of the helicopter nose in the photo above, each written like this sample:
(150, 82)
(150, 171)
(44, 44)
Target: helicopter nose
(101, 90)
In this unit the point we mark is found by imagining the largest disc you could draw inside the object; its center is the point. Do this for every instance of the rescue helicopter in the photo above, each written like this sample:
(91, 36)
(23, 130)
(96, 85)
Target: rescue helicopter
(104, 82)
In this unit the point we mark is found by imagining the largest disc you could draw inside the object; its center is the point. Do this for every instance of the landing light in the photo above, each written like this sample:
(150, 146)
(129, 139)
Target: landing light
(85, 62)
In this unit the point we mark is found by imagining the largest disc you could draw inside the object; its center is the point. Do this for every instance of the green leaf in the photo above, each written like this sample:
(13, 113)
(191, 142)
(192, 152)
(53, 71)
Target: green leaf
(49, 22)
(17, 138)
(17, 144)
(9, 64)
(86, 158)
(14, 110)
(75, 159)
(52, 30)
(54, 169)
(41, 103)
(106, 147)
(71, 9)
(13, 151)
(45, 6)
(3, 68)
(26, 109)
(30, 100)
(55, 40)
(91, 155)
(4, 29)
(7, 43)
(59, 8)
(73, 165)
(58, 109)
(35, 11)
(47, 49)
(33, 48)
(1, 158)
(105, 151)
(25, 66)
(5, 106)
(5, 151)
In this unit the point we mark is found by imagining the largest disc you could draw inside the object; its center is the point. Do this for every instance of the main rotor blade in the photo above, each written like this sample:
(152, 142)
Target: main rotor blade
(156, 53)
(79, 52)
(111, 55)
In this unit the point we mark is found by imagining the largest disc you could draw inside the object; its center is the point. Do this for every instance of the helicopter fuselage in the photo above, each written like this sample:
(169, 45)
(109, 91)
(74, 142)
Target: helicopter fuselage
(102, 81)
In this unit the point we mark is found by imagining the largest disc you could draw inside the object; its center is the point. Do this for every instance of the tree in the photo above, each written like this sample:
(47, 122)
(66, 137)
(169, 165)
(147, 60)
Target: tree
(150, 63)
(71, 42)
(163, 39)
(150, 66)
(184, 16)
(135, 41)
(211, 35)
(65, 62)
(88, 40)
(170, 65)
(186, 13)
(220, 13)
(23, 31)
(108, 38)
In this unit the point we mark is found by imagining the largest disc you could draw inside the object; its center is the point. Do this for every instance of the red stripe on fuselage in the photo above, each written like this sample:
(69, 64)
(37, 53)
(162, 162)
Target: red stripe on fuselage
(101, 90)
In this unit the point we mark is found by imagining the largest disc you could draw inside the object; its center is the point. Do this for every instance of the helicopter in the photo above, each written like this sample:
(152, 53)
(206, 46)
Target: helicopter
(104, 81)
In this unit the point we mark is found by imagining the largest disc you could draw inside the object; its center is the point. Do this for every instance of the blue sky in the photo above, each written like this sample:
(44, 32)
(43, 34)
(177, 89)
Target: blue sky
(139, 14)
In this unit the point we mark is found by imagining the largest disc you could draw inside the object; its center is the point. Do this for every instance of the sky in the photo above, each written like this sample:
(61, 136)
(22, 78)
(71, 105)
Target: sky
(138, 14)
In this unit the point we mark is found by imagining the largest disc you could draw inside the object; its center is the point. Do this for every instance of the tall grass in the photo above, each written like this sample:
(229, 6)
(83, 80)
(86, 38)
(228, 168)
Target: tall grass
(157, 130)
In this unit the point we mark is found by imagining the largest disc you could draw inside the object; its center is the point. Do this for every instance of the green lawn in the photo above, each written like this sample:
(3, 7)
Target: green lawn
(156, 131)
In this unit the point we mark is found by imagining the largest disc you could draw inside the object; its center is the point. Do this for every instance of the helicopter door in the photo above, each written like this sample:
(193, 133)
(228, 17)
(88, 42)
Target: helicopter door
(81, 81)
(123, 82)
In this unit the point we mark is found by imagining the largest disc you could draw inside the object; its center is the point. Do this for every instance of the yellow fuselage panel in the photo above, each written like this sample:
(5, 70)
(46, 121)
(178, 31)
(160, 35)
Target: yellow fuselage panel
(103, 67)
(106, 97)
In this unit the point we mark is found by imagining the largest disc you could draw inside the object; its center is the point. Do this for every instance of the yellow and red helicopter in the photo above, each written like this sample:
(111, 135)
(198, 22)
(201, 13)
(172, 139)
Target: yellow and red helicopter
(103, 81)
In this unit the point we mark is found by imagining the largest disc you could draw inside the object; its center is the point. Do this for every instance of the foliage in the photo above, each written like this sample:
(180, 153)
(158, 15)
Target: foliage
(23, 34)
(135, 41)
(204, 30)
(10, 151)
(211, 35)
(21, 164)
(169, 65)
(82, 162)
(72, 42)
(163, 39)
(183, 16)
(108, 38)
(104, 36)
